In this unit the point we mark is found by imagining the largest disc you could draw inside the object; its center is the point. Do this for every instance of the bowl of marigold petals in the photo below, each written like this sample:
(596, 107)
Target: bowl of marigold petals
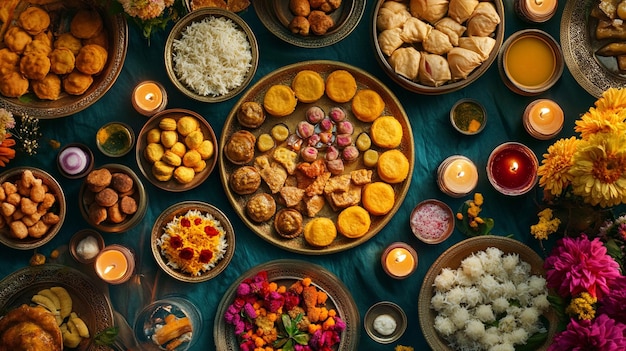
(193, 241)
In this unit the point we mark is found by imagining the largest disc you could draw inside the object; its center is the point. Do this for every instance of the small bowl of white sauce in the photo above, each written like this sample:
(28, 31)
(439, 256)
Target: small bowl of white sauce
(85, 245)
(385, 322)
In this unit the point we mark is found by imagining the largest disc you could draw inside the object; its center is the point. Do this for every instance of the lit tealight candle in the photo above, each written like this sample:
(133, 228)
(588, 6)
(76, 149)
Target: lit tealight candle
(149, 98)
(512, 168)
(543, 119)
(399, 260)
(457, 176)
(536, 10)
(115, 264)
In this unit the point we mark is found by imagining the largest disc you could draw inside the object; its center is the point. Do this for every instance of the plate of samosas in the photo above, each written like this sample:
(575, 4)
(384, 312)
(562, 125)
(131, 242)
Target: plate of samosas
(593, 35)
(58, 57)
(310, 23)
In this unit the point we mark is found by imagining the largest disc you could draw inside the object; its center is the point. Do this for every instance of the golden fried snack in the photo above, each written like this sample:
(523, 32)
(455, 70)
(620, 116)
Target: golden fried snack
(279, 100)
(308, 86)
(13, 84)
(41, 44)
(62, 61)
(35, 66)
(86, 23)
(320, 22)
(16, 39)
(91, 59)
(237, 5)
(196, 4)
(9, 61)
(340, 86)
(100, 39)
(34, 20)
(30, 328)
(67, 40)
(300, 7)
(45, 37)
(48, 88)
(300, 25)
(76, 83)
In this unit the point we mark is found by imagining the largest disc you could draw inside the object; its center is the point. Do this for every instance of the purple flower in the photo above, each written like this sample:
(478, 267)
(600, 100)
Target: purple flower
(243, 289)
(612, 304)
(249, 311)
(601, 334)
(579, 265)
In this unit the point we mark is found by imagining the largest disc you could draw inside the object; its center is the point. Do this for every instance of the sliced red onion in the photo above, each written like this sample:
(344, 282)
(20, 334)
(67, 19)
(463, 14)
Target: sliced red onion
(73, 160)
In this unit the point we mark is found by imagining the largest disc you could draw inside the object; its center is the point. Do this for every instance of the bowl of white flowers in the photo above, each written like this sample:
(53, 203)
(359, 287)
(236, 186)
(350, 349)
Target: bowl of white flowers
(487, 293)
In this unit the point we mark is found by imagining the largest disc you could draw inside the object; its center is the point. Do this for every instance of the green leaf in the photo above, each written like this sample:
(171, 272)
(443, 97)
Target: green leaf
(288, 346)
(287, 323)
(464, 227)
(301, 339)
(106, 337)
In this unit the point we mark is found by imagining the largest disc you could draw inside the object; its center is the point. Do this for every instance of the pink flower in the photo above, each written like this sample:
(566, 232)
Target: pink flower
(579, 265)
(601, 334)
(612, 304)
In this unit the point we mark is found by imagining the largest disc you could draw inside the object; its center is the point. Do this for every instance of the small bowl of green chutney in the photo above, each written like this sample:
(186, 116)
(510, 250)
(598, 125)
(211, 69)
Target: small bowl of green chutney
(468, 116)
(115, 139)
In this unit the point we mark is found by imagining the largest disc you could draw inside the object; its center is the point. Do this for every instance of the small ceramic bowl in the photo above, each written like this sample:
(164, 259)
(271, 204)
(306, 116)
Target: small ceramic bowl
(432, 221)
(385, 322)
(176, 34)
(138, 193)
(81, 250)
(115, 139)
(58, 208)
(468, 116)
(75, 160)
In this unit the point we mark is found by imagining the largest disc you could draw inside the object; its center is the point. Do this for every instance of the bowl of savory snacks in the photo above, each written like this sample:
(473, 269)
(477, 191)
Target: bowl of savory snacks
(176, 150)
(454, 44)
(33, 207)
(215, 43)
(192, 241)
(112, 198)
(84, 48)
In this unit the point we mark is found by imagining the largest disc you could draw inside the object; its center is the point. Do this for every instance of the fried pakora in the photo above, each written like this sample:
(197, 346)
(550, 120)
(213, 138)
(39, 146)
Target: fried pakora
(320, 22)
(300, 7)
(13, 84)
(38, 47)
(16, 39)
(91, 59)
(86, 23)
(48, 88)
(76, 83)
(34, 20)
(9, 61)
(69, 41)
(35, 66)
(300, 25)
(100, 39)
(62, 61)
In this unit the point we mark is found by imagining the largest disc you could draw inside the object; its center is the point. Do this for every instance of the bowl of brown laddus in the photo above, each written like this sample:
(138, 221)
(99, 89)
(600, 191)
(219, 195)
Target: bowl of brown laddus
(33, 207)
(176, 150)
(112, 198)
(63, 62)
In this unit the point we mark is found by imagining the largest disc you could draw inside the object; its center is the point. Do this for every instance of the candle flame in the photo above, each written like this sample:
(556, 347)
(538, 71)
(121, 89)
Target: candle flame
(109, 268)
(539, 2)
(514, 166)
(461, 174)
(150, 97)
(400, 257)
(544, 111)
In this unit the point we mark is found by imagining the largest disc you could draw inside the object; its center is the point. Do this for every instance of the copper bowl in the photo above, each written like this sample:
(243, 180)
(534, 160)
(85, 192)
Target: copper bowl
(58, 208)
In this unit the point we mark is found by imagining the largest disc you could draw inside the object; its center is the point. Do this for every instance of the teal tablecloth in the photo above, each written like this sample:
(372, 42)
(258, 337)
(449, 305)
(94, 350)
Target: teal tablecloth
(359, 268)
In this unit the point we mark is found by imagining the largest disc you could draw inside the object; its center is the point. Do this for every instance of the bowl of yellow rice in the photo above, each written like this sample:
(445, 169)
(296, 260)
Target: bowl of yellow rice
(192, 241)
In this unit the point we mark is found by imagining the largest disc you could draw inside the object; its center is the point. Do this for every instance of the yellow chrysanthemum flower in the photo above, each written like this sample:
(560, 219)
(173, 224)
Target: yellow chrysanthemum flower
(582, 306)
(600, 121)
(554, 170)
(546, 226)
(599, 169)
(612, 100)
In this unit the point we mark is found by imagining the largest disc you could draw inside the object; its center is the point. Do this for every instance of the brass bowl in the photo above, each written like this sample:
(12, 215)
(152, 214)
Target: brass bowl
(59, 208)
(139, 194)
(180, 209)
(385, 308)
(452, 259)
(450, 86)
(146, 167)
(176, 34)
(117, 30)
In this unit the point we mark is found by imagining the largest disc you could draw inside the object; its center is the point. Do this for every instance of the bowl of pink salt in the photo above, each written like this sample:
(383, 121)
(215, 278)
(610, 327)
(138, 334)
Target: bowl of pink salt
(432, 221)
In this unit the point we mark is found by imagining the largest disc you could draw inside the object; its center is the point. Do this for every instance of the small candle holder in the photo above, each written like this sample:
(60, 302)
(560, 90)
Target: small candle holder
(512, 169)
(149, 97)
(535, 11)
(115, 264)
(457, 176)
(543, 119)
(399, 260)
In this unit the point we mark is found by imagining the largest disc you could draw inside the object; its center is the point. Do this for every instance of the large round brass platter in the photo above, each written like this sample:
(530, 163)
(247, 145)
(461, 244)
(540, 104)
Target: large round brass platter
(61, 13)
(88, 299)
(593, 73)
(285, 76)
(276, 16)
(286, 272)
(452, 259)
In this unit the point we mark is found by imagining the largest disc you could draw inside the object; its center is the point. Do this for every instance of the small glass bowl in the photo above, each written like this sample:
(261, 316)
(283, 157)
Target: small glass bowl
(389, 311)
(78, 237)
(115, 139)
(155, 315)
(429, 206)
(464, 115)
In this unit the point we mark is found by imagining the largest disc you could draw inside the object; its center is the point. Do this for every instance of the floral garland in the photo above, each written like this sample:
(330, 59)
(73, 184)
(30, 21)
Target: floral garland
(149, 15)
(584, 182)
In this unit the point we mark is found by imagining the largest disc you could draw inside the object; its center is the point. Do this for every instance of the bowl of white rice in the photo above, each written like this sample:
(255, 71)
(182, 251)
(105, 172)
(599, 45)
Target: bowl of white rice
(211, 55)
